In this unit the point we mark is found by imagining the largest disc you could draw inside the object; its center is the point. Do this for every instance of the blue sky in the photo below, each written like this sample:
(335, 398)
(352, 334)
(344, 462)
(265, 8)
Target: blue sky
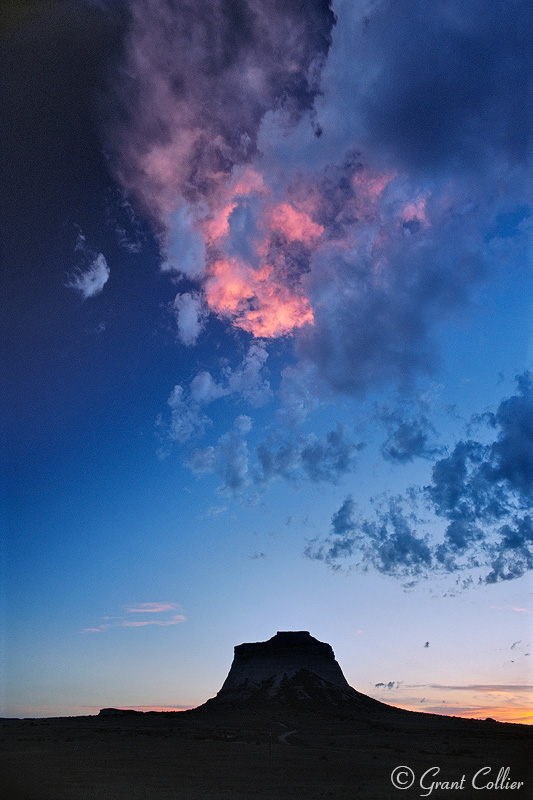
(269, 349)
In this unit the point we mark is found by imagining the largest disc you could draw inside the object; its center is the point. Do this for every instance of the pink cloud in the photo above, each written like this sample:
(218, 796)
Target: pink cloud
(514, 608)
(176, 619)
(151, 608)
(141, 608)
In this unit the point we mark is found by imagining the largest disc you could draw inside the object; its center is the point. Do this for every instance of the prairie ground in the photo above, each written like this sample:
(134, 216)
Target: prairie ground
(262, 754)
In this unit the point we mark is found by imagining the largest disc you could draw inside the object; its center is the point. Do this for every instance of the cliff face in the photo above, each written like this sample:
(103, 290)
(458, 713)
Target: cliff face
(283, 655)
(290, 668)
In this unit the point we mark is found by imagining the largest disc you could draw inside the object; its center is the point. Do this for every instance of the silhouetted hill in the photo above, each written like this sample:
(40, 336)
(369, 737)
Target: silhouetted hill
(292, 669)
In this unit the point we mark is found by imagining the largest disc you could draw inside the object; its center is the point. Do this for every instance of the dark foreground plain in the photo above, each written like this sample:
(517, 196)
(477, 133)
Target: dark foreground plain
(231, 754)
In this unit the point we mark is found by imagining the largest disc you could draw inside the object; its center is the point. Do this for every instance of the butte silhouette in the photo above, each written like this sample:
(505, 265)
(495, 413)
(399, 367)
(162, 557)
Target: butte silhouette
(290, 669)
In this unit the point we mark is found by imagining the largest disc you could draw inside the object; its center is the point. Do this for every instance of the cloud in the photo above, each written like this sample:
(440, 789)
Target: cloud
(246, 383)
(297, 393)
(296, 458)
(129, 229)
(243, 424)
(357, 243)
(482, 492)
(214, 511)
(410, 433)
(229, 458)
(514, 608)
(390, 543)
(140, 608)
(150, 608)
(479, 486)
(92, 272)
(513, 449)
(307, 456)
(186, 419)
(176, 619)
(395, 259)
(190, 312)
(187, 102)
(452, 97)
(514, 551)
(476, 687)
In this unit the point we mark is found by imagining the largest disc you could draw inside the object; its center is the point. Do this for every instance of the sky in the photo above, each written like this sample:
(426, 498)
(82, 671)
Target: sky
(267, 272)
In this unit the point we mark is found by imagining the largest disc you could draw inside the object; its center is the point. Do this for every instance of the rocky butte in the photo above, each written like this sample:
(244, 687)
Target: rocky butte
(291, 668)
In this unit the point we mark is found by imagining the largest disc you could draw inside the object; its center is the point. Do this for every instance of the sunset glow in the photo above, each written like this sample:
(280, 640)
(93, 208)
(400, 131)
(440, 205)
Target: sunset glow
(254, 300)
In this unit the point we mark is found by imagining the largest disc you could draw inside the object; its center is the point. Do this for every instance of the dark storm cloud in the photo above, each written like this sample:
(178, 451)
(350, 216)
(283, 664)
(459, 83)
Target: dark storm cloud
(444, 86)
(483, 492)
(441, 93)
(379, 288)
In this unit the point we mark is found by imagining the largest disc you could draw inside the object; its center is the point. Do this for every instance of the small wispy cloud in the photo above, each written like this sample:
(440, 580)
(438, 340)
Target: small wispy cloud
(92, 272)
(214, 511)
(150, 608)
(161, 609)
(491, 688)
(176, 619)
(514, 608)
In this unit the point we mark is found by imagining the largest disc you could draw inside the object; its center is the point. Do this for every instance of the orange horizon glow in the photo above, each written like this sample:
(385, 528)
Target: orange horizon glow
(511, 714)
(515, 714)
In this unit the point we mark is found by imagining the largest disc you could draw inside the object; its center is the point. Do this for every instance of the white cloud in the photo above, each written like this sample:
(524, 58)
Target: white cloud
(204, 389)
(190, 316)
(185, 418)
(91, 281)
(185, 250)
(229, 459)
(243, 424)
(247, 382)
(92, 272)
